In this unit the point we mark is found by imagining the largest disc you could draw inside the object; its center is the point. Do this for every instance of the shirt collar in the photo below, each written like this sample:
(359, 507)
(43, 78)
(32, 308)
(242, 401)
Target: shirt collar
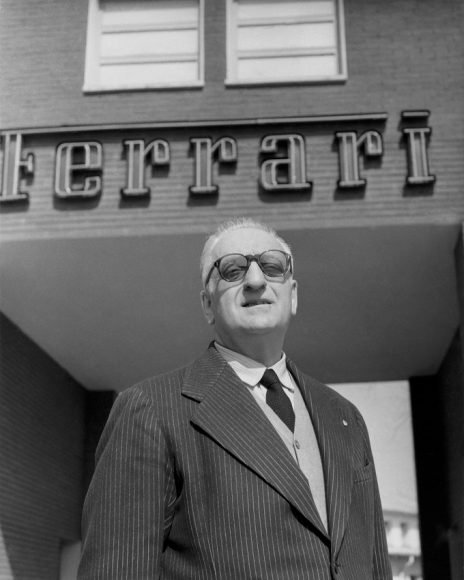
(250, 371)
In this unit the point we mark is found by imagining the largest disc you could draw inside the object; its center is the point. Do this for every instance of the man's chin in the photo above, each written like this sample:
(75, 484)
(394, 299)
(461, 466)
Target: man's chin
(257, 326)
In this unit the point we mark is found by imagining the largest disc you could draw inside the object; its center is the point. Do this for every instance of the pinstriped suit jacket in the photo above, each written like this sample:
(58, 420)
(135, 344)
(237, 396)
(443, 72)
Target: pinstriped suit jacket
(193, 482)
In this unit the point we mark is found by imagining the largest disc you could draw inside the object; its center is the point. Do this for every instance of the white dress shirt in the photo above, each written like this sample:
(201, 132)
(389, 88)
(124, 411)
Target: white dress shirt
(251, 372)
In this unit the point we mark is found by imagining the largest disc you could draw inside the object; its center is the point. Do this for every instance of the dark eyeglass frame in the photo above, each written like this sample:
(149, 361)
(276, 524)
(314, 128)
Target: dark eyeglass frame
(249, 259)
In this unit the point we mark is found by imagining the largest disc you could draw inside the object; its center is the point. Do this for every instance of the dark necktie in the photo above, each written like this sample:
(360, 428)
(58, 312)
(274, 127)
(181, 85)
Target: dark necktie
(277, 399)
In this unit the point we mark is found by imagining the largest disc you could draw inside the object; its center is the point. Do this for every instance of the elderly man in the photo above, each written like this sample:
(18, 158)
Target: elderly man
(239, 466)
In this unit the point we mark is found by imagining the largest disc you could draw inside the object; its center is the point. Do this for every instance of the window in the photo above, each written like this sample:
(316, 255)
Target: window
(285, 41)
(136, 44)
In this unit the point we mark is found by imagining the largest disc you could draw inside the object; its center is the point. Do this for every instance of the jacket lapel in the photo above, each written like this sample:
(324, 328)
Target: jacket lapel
(229, 414)
(333, 434)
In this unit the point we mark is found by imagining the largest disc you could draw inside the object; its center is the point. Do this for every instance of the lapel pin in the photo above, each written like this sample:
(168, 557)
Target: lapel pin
(345, 423)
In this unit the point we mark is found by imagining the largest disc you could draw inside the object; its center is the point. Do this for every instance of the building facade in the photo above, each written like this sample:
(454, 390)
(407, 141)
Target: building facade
(130, 129)
(403, 545)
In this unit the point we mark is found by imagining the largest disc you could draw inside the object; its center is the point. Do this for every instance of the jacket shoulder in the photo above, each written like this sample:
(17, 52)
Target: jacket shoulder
(160, 395)
(155, 400)
(157, 385)
(331, 398)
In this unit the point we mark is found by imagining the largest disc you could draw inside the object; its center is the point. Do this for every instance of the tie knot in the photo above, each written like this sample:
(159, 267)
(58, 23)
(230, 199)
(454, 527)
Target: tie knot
(269, 378)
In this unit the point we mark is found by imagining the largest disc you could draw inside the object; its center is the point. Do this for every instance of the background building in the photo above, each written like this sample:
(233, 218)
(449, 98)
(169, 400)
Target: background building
(129, 129)
(386, 409)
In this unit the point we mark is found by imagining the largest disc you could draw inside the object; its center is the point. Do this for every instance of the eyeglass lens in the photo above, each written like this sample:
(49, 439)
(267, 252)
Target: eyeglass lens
(273, 264)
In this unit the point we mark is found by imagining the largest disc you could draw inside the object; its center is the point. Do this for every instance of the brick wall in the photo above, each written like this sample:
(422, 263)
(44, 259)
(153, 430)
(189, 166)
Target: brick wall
(41, 455)
(401, 54)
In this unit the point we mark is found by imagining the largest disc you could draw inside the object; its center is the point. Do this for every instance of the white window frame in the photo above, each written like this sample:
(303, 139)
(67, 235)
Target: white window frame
(231, 78)
(91, 76)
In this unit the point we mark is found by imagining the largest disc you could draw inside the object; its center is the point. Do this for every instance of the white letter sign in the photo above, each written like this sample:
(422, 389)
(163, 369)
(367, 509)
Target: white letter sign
(204, 151)
(136, 156)
(13, 167)
(349, 149)
(417, 156)
(284, 173)
(78, 158)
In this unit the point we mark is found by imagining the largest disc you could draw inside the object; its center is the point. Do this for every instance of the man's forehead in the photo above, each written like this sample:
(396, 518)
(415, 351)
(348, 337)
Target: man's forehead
(245, 241)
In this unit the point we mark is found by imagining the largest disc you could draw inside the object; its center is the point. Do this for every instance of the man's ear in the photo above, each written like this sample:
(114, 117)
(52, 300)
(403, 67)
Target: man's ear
(294, 296)
(206, 306)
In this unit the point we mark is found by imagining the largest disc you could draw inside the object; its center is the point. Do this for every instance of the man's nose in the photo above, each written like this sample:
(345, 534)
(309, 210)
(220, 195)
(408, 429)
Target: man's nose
(254, 278)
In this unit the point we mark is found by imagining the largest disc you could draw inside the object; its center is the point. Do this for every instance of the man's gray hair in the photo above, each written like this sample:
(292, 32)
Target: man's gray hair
(235, 224)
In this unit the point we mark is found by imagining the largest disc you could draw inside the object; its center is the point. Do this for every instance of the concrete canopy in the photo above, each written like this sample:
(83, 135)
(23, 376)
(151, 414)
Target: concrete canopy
(374, 303)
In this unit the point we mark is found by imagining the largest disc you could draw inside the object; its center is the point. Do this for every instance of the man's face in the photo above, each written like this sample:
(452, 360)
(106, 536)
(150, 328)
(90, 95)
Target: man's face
(254, 305)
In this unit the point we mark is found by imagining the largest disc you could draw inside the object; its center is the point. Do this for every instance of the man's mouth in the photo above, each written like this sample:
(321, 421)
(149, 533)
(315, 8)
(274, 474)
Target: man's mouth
(257, 302)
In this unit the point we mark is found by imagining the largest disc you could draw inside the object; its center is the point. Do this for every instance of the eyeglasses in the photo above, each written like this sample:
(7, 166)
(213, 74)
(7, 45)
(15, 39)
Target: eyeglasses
(233, 267)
